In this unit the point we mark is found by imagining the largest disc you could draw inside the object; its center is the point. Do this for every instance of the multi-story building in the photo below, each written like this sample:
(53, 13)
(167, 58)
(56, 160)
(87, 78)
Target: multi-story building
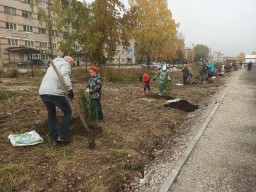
(249, 58)
(216, 56)
(125, 55)
(22, 35)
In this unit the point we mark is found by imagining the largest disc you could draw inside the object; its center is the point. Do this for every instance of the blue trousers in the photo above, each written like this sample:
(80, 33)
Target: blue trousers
(51, 102)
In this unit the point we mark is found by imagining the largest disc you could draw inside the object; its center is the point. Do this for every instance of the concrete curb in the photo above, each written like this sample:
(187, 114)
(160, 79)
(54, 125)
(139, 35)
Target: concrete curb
(182, 160)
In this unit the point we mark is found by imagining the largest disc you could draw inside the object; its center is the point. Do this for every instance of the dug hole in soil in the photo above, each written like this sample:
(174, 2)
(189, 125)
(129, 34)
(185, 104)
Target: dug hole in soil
(182, 105)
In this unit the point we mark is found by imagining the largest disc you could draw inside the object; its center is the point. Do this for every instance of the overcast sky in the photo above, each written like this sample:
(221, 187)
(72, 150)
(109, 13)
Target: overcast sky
(227, 26)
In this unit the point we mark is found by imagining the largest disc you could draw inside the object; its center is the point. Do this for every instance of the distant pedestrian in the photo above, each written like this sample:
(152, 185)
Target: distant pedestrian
(222, 70)
(203, 71)
(211, 68)
(145, 79)
(94, 87)
(185, 74)
(249, 66)
(190, 73)
(241, 65)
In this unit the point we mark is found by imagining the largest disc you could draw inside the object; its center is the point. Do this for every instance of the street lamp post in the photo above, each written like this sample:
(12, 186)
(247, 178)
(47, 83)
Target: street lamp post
(192, 52)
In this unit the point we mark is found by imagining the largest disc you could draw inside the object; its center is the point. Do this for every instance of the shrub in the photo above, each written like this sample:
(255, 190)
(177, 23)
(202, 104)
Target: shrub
(89, 108)
(10, 73)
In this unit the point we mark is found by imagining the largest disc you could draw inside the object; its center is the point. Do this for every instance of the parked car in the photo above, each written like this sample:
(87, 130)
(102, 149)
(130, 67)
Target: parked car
(29, 62)
(153, 65)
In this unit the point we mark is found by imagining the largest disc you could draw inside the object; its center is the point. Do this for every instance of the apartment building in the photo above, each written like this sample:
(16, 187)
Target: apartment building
(125, 55)
(22, 35)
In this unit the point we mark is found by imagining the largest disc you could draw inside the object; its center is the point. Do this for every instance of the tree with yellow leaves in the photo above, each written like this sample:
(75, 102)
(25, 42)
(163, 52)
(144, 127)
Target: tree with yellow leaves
(241, 57)
(152, 26)
(97, 28)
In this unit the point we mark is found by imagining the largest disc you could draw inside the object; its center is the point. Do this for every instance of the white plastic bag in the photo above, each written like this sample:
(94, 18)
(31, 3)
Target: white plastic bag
(28, 138)
(173, 100)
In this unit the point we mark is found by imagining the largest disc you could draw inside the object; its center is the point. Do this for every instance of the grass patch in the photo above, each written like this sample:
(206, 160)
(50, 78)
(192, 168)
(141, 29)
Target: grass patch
(10, 175)
(10, 73)
(4, 95)
(113, 138)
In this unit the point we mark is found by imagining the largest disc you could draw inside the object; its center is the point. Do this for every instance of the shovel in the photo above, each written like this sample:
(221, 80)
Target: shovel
(89, 136)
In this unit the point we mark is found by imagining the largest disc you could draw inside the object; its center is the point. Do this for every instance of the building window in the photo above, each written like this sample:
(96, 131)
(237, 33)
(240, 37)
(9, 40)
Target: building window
(54, 45)
(25, 1)
(29, 43)
(26, 14)
(27, 28)
(13, 42)
(36, 56)
(9, 10)
(42, 4)
(77, 48)
(54, 19)
(54, 33)
(45, 57)
(43, 45)
(42, 31)
(11, 26)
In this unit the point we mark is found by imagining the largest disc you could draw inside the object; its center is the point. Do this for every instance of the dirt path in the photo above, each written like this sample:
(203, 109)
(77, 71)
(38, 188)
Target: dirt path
(224, 158)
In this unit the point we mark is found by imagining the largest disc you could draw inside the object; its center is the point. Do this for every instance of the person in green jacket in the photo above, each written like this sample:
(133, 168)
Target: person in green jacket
(203, 71)
(164, 80)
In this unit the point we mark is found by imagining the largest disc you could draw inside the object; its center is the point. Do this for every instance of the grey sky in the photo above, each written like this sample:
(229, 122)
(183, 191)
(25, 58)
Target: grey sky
(227, 26)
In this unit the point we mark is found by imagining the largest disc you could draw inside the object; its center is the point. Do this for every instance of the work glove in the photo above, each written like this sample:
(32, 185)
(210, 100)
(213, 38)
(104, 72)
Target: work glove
(70, 94)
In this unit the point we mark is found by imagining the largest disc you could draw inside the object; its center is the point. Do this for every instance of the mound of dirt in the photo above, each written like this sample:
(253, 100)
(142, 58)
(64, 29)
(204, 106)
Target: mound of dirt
(182, 105)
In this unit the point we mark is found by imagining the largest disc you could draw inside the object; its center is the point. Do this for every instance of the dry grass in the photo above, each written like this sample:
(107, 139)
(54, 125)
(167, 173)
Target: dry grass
(134, 128)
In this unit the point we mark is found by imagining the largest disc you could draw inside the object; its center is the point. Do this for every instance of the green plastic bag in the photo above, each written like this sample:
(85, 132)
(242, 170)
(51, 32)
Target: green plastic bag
(25, 139)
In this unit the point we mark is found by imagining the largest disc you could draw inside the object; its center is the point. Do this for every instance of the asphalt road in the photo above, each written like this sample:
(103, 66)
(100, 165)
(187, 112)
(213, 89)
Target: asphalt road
(224, 159)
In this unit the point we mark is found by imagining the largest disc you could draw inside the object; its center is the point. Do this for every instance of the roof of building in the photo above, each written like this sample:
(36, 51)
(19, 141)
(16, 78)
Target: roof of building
(250, 56)
(23, 49)
(230, 58)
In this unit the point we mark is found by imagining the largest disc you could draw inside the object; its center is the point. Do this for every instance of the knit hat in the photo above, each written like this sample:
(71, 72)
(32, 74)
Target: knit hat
(93, 68)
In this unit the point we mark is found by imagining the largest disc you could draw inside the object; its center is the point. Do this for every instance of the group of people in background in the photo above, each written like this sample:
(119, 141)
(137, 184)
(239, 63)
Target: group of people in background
(163, 77)
(206, 72)
(53, 94)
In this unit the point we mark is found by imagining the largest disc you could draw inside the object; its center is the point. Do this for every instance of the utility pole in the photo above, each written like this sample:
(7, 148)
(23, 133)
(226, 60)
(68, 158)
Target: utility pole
(192, 52)
(50, 29)
(1, 57)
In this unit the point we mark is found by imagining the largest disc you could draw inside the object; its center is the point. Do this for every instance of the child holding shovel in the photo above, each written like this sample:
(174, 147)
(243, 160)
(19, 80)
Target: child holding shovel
(94, 89)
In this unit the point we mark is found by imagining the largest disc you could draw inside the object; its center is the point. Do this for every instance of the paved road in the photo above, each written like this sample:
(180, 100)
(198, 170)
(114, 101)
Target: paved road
(224, 159)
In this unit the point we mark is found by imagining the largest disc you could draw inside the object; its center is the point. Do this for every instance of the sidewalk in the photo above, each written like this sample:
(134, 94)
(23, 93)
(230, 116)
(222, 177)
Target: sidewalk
(224, 159)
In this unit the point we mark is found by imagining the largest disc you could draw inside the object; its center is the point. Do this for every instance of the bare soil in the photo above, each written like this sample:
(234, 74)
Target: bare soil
(134, 128)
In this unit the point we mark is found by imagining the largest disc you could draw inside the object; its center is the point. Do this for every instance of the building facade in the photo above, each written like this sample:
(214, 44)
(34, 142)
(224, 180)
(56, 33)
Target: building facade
(22, 35)
(125, 55)
(249, 58)
(217, 56)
